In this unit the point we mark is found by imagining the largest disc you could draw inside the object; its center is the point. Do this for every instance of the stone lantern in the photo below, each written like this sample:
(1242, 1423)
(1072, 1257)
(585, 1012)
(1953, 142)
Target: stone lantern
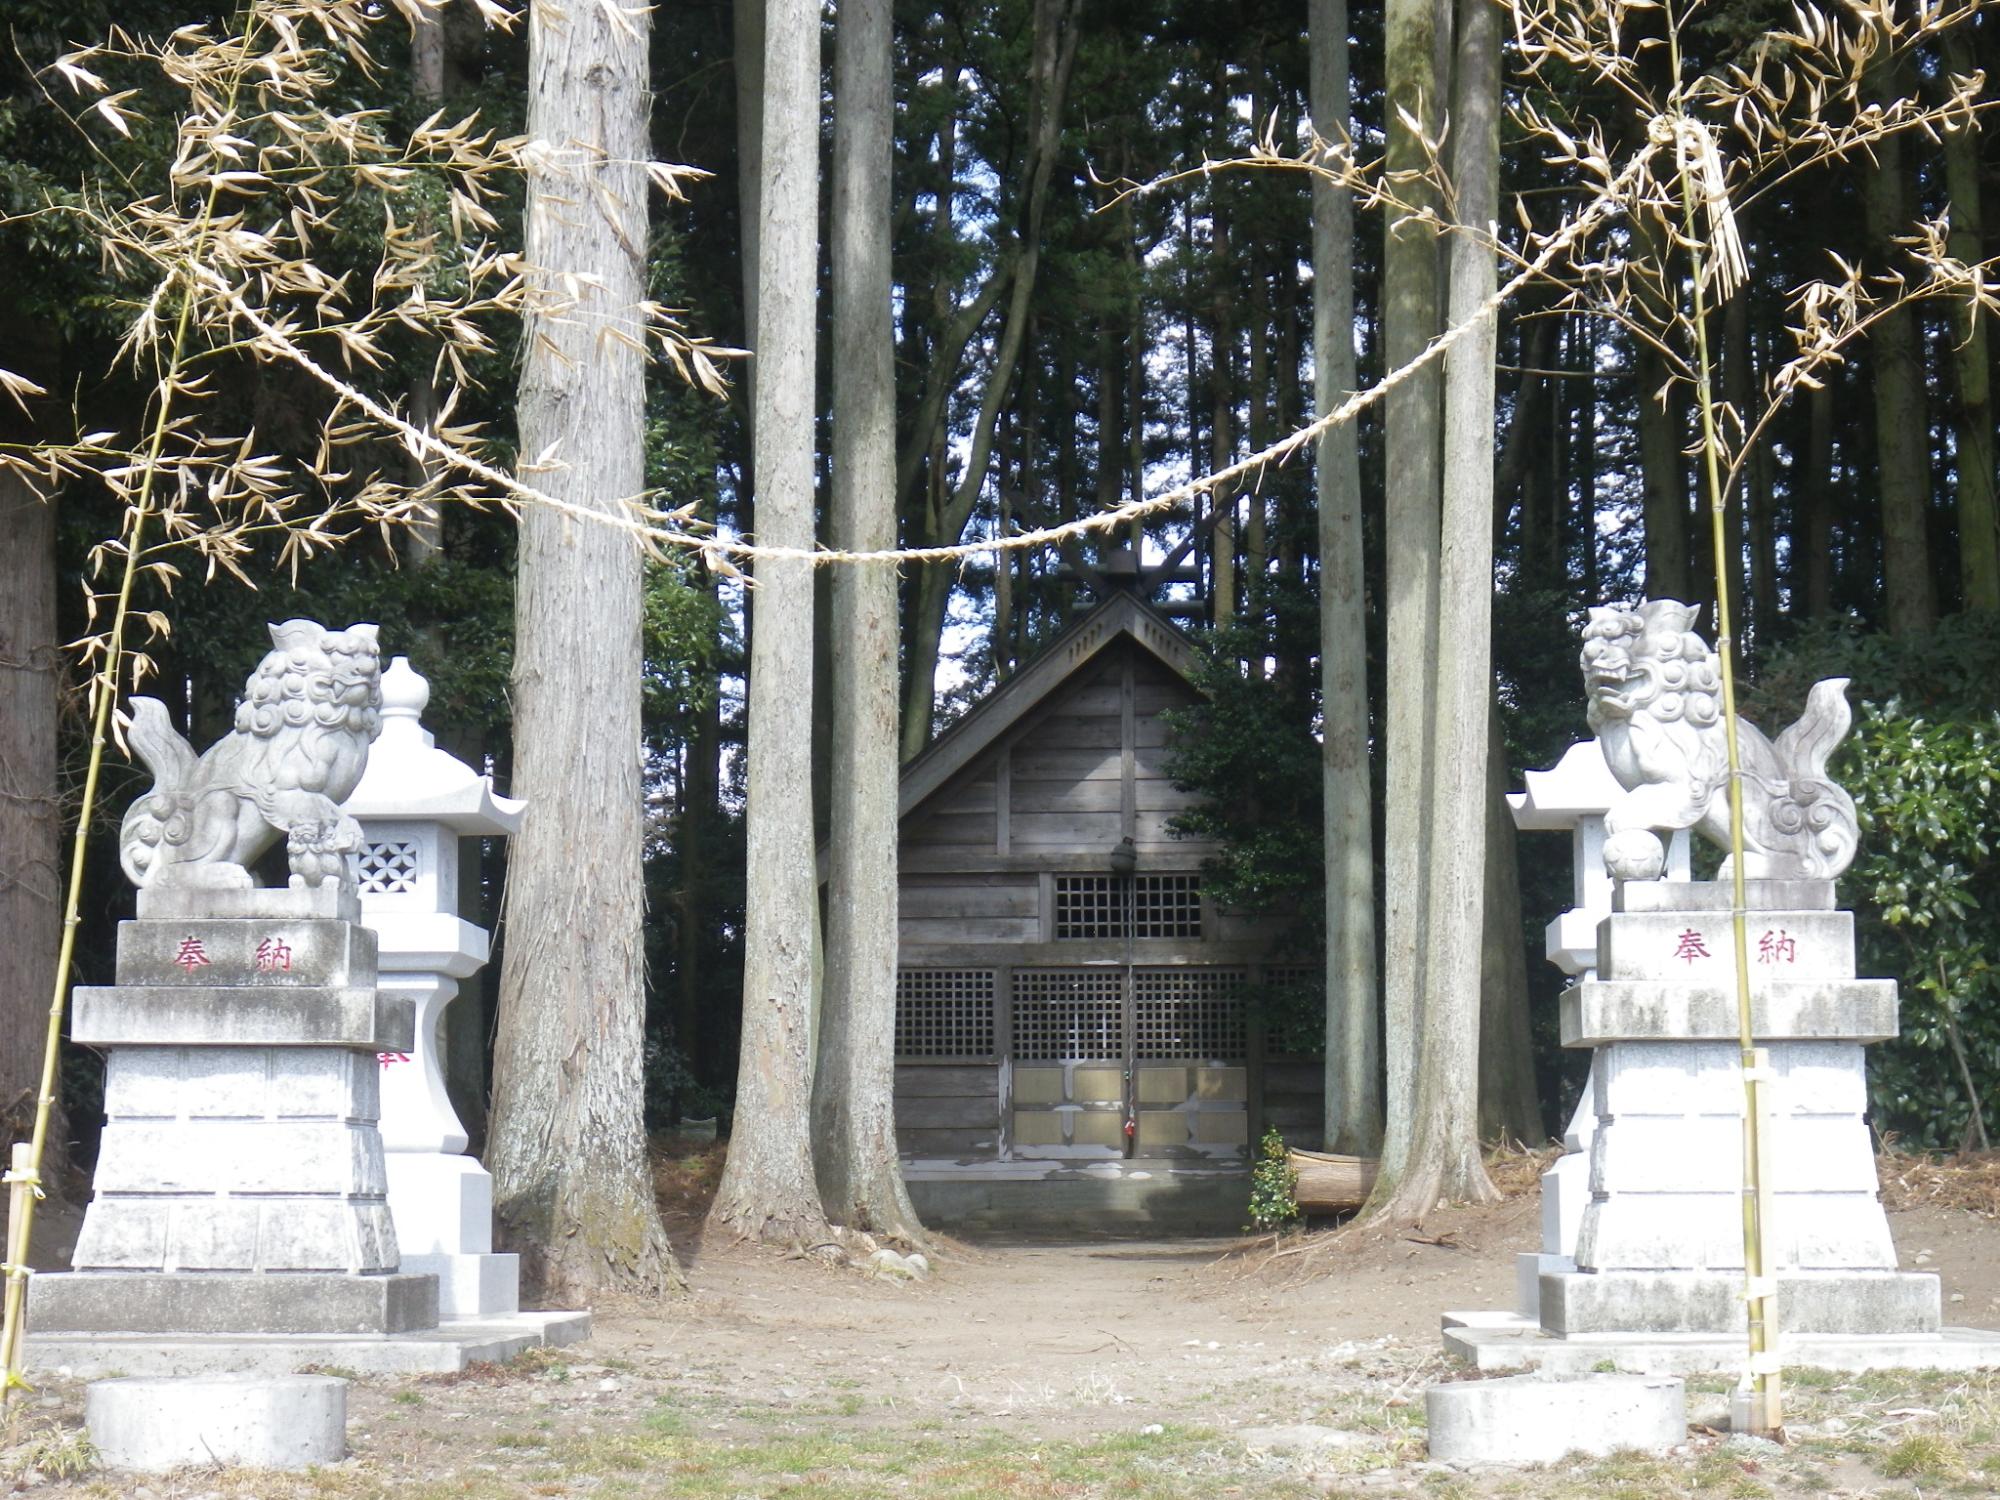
(414, 805)
(1573, 796)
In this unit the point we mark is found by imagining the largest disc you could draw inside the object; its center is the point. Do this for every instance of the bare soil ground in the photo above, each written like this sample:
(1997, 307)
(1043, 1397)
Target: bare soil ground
(1093, 1367)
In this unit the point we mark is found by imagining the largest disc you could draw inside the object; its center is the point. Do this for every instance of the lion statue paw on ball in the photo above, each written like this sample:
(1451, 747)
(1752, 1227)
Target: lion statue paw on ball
(308, 715)
(1655, 707)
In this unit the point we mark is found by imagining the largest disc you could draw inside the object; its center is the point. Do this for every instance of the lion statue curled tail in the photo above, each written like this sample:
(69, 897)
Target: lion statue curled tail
(1655, 706)
(308, 715)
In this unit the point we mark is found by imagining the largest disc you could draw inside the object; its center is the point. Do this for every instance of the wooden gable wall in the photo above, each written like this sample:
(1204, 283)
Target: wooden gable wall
(1057, 793)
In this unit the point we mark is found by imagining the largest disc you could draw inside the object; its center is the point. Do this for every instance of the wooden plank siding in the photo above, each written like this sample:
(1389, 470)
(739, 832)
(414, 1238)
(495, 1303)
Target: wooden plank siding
(948, 1112)
(1043, 779)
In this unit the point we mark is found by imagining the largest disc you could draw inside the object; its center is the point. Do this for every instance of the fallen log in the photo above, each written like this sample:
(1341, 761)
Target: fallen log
(1329, 1183)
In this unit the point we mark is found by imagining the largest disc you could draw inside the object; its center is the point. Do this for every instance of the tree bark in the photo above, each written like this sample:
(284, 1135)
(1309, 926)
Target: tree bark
(1972, 419)
(572, 1185)
(31, 866)
(1353, 1032)
(1442, 1159)
(1410, 306)
(768, 1189)
(854, 1118)
(1902, 424)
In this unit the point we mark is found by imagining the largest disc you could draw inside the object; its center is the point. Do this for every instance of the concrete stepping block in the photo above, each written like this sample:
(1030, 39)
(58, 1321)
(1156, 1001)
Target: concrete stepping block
(256, 1421)
(1533, 1419)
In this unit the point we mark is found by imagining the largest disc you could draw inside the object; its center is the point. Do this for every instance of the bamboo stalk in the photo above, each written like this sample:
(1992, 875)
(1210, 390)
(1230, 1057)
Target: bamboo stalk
(1762, 1377)
(25, 1177)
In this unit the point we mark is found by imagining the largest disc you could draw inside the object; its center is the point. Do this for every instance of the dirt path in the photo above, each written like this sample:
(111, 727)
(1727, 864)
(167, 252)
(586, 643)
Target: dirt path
(1016, 1365)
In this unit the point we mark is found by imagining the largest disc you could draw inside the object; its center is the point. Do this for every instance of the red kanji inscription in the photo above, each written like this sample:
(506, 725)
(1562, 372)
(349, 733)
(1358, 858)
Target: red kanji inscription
(1690, 947)
(192, 954)
(272, 954)
(1777, 946)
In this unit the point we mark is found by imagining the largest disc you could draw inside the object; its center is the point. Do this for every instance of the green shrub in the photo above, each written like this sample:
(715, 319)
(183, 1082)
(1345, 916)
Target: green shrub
(1925, 886)
(1274, 1186)
(1927, 894)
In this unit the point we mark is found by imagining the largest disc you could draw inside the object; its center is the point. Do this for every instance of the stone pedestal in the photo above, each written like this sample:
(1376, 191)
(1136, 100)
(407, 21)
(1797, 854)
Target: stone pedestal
(1660, 1245)
(240, 1184)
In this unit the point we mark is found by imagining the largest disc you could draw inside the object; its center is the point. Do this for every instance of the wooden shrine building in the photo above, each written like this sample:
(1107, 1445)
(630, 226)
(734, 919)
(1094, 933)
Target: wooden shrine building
(1070, 1003)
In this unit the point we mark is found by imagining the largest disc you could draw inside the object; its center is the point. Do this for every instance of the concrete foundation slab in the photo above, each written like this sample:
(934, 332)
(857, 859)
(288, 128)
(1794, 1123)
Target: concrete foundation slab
(1535, 1419)
(452, 1345)
(1522, 1345)
(155, 1302)
(261, 1421)
(1140, 1196)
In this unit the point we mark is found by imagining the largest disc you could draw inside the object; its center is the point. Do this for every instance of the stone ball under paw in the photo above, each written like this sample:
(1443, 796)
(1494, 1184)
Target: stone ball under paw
(1635, 854)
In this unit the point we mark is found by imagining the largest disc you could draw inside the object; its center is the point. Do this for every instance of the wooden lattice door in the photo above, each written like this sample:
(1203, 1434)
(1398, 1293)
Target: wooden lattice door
(1114, 1060)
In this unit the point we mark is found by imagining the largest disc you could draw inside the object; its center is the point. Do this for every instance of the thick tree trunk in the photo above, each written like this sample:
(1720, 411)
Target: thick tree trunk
(1896, 375)
(1443, 1157)
(1972, 420)
(768, 1189)
(573, 1190)
(31, 865)
(1410, 307)
(1353, 1031)
(854, 1115)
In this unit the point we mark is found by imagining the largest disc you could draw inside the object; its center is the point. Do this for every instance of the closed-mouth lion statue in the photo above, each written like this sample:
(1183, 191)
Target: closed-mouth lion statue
(1655, 706)
(308, 715)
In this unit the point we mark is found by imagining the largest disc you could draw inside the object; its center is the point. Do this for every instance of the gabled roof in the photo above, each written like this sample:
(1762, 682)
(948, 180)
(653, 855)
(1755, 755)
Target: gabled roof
(1122, 616)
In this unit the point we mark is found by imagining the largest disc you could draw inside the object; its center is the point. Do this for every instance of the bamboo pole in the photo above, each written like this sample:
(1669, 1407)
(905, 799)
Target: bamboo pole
(1763, 1380)
(24, 1178)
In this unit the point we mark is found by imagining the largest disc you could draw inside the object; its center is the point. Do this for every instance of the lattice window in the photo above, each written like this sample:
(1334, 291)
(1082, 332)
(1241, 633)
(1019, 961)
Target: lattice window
(944, 1012)
(388, 869)
(1166, 906)
(1089, 906)
(1095, 906)
(1189, 1014)
(1069, 1015)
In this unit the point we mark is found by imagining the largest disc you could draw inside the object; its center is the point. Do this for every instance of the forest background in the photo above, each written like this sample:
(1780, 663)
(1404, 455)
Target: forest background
(1063, 345)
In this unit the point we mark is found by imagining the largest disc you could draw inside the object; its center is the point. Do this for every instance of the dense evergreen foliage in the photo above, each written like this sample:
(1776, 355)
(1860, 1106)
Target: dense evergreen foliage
(1090, 346)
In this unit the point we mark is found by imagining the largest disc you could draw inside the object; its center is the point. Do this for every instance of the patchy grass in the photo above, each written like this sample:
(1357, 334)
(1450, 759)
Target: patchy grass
(1928, 1455)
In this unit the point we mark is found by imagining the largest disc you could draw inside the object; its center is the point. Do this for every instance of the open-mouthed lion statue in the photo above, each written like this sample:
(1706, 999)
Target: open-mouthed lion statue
(1656, 708)
(308, 715)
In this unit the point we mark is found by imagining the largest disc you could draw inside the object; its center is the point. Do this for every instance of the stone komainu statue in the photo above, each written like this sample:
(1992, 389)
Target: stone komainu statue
(1656, 708)
(308, 715)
